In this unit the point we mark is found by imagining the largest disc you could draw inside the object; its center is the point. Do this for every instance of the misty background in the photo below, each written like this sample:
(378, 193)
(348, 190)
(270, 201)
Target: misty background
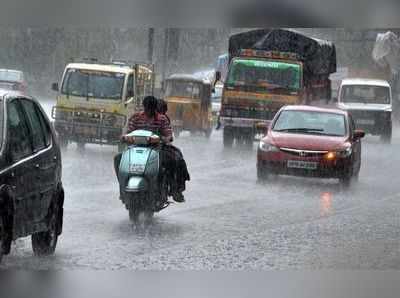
(42, 53)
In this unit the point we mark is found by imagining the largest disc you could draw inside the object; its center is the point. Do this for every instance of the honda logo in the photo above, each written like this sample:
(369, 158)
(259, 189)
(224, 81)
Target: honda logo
(302, 153)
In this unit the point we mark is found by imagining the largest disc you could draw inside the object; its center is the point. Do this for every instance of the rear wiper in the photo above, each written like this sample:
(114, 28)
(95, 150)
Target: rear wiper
(299, 130)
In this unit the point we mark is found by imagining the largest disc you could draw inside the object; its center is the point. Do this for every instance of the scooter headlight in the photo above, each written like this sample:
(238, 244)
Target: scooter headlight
(267, 147)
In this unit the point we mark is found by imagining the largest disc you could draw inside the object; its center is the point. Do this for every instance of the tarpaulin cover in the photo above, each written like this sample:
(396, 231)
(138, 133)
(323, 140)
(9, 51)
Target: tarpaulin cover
(386, 51)
(319, 56)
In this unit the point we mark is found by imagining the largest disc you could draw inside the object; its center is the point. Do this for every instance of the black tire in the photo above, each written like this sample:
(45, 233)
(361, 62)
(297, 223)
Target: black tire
(177, 133)
(386, 137)
(2, 236)
(262, 174)
(208, 133)
(63, 143)
(228, 137)
(249, 141)
(134, 214)
(44, 243)
(80, 146)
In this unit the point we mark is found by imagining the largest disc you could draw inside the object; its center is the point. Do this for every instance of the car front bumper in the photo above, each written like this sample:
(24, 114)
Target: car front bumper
(277, 163)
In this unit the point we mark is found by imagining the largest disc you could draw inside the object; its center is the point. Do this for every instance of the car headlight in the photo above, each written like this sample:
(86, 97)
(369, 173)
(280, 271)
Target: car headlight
(267, 147)
(345, 153)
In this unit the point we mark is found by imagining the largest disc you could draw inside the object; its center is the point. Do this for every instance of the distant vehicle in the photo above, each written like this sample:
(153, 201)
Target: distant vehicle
(12, 80)
(222, 66)
(267, 70)
(370, 104)
(313, 142)
(216, 99)
(189, 103)
(31, 191)
(95, 99)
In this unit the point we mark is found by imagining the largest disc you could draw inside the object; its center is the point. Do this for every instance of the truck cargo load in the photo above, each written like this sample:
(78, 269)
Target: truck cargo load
(319, 56)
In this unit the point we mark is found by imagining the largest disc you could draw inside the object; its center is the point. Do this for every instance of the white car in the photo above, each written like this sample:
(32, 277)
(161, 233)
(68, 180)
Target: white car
(370, 105)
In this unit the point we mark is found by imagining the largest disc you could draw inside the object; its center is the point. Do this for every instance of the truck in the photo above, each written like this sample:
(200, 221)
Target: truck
(270, 68)
(96, 98)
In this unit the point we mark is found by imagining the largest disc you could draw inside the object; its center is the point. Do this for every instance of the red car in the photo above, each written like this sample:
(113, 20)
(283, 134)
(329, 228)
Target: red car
(313, 142)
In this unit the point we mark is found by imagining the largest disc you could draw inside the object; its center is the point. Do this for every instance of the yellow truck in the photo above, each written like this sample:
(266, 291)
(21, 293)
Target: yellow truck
(95, 100)
(267, 70)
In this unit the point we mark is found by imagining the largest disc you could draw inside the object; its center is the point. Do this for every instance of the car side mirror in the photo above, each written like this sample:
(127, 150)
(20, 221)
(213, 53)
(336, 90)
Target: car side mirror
(54, 87)
(359, 134)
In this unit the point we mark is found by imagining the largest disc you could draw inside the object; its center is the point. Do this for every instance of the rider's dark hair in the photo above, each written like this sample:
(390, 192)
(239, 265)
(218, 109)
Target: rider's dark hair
(150, 104)
(162, 106)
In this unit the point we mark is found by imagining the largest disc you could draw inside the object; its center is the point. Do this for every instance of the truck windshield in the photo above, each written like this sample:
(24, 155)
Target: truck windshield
(264, 74)
(183, 89)
(365, 94)
(93, 84)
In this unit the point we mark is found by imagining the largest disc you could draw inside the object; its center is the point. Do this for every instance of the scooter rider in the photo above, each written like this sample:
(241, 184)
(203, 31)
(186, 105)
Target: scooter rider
(180, 173)
(153, 121)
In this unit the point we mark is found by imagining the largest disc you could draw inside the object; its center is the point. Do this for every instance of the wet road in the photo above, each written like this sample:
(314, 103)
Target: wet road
(229, 221)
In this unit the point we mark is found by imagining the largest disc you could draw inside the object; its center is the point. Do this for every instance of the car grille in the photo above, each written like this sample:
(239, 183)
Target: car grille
(304, 153)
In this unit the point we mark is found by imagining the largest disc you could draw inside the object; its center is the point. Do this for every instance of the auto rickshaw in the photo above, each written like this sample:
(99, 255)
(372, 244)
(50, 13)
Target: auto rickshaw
(189, 104)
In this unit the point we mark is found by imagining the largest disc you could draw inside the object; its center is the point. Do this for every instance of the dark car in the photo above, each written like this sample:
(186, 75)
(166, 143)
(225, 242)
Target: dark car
(31, 192)
(310, 141)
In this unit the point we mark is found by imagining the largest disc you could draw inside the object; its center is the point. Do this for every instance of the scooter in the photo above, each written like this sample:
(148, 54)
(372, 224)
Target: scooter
(144, 187)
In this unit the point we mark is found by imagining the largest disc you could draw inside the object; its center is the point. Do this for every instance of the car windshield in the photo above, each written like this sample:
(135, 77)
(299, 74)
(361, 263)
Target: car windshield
(264, 74)
(10, 75)
(183, 89)
(365, 94)
(93, 84)
(311, 122)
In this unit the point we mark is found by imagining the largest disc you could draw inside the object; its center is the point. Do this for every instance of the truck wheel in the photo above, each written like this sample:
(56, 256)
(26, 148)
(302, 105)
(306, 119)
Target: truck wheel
(248, 141)
(208, 133)
(228, 138)
(80, 147)
(63, 143)
(386, 137)
(177, 132)
(44, 243)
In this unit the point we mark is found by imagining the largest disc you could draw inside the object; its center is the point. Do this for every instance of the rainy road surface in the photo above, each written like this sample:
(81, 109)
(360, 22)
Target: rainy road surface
(229, 221)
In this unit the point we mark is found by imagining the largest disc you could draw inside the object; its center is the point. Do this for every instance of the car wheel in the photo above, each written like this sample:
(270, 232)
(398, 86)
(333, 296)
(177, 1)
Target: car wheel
(262, 174)
(44, 243)
(228, 138)
(2, 236)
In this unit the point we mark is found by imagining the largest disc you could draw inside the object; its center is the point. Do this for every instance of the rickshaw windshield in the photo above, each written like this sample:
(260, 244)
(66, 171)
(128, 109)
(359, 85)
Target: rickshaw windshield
(183, 89)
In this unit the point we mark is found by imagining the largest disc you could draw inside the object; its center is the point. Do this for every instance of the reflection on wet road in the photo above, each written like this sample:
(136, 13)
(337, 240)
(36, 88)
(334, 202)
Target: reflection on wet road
(229, 221)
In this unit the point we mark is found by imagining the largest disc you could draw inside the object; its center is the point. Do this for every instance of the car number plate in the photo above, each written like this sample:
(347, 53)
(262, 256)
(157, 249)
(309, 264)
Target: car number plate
(365, 121)
(298, 164)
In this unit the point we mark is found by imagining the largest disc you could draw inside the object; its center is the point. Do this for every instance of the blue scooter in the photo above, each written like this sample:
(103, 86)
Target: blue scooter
(144, 187)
